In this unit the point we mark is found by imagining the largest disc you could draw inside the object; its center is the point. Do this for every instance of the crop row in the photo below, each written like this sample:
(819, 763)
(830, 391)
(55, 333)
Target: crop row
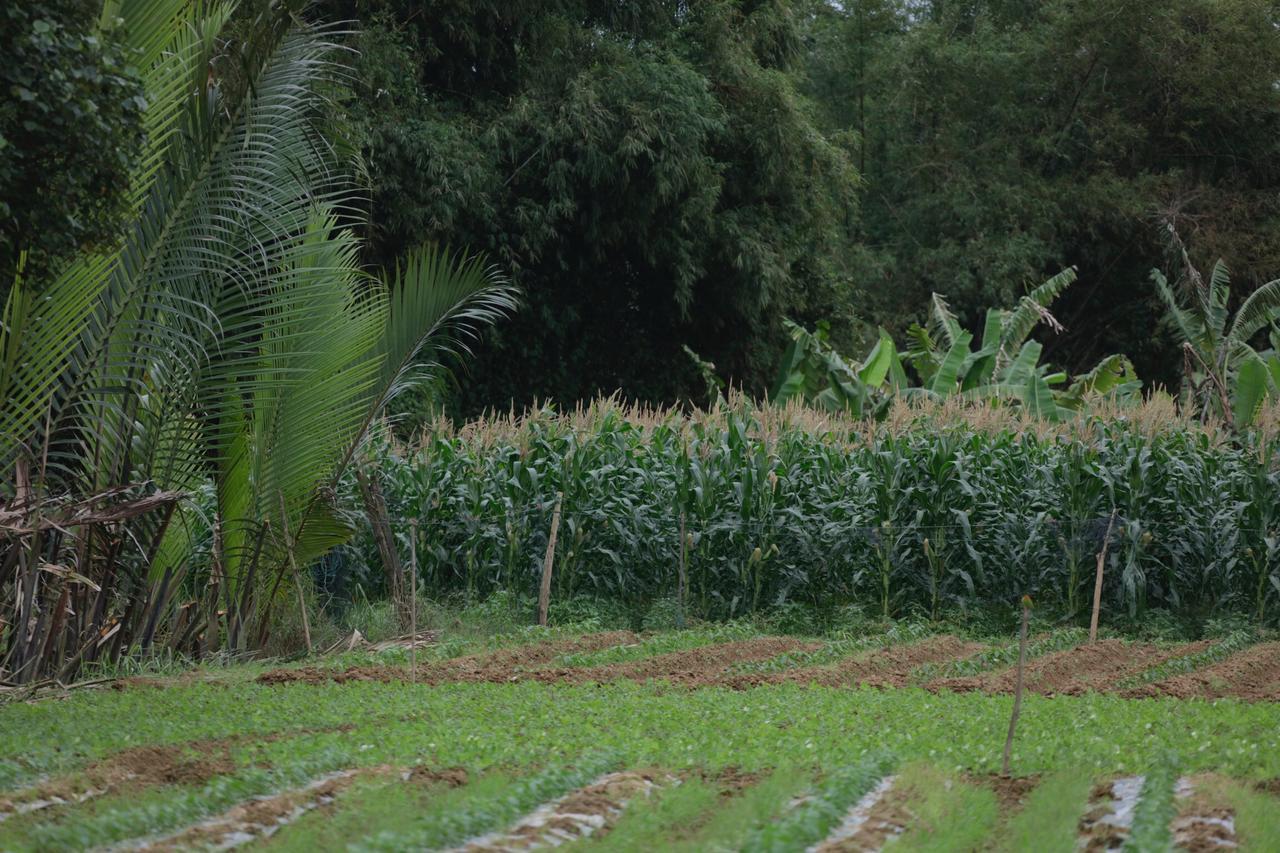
(763, 509)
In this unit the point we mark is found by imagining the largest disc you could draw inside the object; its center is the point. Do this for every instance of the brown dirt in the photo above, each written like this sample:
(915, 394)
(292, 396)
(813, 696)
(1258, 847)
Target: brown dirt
(890, 816)
(890, 667)
(698, 667)
(733, 780)
(191, 763)
(1199, 825)
(1099, 837)
(1072, 672)
(497, 665)
(1011, 791)
(255, 817)
(1252, 674)
(139, 767)
(1269, 786)
(452, 777)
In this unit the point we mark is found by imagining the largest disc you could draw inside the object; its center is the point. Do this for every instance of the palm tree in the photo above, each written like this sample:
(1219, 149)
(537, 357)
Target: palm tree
(232, 346)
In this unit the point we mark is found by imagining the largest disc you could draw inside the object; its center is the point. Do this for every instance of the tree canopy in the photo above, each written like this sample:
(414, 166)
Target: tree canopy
(647, 171)
(1002, 140)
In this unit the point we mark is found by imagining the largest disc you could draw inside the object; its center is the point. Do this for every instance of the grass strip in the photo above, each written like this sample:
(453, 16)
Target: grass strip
(1154, 813)
(812, 820)
(1236, 641)
(1000, 657)
(838, 649)
(1048, 820)
(486, 809)
(659, 644)
(733, 821)
(175, 807)
(950, 816)
(1255, 813)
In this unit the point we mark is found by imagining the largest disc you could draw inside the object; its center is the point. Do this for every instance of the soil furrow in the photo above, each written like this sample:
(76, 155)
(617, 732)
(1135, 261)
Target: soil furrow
(1252, 674)
(890, 667)
(1071, 672)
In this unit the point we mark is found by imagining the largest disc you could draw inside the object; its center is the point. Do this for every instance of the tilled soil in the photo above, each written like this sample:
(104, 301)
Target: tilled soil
(891, 667)
(703, 666)
(179, 764)
(1252, 674)
(191, 763)
(256, 818)
(1072, 672)
(480, 667)
(1011, 791)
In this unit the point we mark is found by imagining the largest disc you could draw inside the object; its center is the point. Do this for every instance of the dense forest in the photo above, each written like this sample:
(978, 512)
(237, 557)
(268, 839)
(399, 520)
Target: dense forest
(668, 174)
(660, 175)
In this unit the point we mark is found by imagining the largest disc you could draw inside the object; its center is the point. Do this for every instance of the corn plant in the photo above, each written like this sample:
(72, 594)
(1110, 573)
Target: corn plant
(932, 510)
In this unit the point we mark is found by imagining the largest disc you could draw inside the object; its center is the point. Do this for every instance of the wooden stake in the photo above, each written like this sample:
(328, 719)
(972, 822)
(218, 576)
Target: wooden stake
(544, 591)
(682, 590)
(1017, 690)
(297, 577)
(413, 601)
(1097, 581)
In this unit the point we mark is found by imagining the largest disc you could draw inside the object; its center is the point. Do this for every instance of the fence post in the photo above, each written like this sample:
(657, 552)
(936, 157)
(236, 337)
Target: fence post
(683, 588)
(413, 601)
(544, 591)
(1017, 690)
(1097, 581)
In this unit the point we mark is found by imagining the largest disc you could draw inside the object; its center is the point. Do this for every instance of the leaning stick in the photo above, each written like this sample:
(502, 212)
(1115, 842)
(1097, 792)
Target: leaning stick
(1017, 690)
(1097, 581)
(413, 601)
(544, 591)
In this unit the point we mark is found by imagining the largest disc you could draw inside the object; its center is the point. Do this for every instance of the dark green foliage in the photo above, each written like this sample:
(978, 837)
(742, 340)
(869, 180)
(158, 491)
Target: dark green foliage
(1001, 141)
(782, 508)
(646, 170)
(70, 131)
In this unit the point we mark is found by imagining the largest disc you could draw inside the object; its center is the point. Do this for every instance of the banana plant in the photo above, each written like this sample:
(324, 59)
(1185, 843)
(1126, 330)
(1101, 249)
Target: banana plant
(1223, 373)
(813, 371)
(1005, 366)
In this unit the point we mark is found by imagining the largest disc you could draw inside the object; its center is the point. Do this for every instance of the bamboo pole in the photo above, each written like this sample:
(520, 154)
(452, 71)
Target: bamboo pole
(1017, 690)
(1097, 581)
(544, 591)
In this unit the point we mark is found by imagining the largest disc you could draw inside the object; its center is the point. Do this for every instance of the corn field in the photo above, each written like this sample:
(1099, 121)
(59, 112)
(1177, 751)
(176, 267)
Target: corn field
(930, 511)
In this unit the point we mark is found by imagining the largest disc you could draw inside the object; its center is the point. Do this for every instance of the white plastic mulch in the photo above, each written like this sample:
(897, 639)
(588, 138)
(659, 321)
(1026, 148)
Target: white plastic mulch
(554, 823)
(857, 818)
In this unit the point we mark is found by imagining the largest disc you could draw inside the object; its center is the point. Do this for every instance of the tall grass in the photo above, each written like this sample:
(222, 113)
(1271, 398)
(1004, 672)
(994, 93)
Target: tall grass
(931, 510)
